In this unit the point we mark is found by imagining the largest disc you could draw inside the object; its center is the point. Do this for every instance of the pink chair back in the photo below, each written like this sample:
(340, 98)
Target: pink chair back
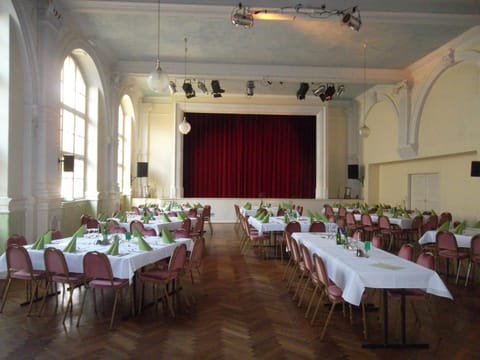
(172, 213)
(97, 266)
(446, 241)
(18, 259)
(187, 224)
(207, 210)
(328, 210)
(444, 217)
(297, 257)
(357, 235)
(317, 226)
(307, 259)
(55, 261)
(177, 260)
(92, 223)
(16, 239)
(136, 210)
(293, 226)
(377, 242)
(406, 252)
(300, 210)
(427, 260)
(342, 212)
(139, 226)
(321, 270)
(366, 220)
(350, 219)
(475, 245)
(198, 227)
(280, 211)
(383, 222)
(197, 252)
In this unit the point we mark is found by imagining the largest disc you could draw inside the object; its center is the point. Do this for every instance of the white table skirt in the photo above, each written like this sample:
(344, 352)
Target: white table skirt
(277, 224)
(381, 270)
(157, 224)
(124, 265)
(431, 237)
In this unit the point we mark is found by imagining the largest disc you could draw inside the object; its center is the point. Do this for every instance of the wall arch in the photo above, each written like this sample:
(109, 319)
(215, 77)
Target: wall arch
(451, 59)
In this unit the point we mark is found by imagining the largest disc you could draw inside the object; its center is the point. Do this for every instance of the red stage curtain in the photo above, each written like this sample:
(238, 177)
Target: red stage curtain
(258, 156)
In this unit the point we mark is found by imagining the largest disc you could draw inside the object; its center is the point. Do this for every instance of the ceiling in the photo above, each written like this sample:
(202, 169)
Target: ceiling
(278, 55)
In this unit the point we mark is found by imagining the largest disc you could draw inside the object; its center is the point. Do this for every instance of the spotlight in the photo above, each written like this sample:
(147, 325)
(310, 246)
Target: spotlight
(216, 89)
(329, 92)
(319, 90)
(173, 87)
(242, 17)
(302, 90)
(340, 90)
(250, 87)
(352, 21)
(188, 89)
(201, 86)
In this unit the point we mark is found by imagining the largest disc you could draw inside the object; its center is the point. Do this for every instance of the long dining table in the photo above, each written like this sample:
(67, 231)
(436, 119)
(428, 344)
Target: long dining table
(124, 265)
(378, 270)
(157, 223)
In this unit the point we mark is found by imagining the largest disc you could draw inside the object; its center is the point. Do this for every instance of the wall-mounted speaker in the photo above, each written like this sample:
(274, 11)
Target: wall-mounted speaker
(475, 169)
(68, 163)
(353, 172)
(142, 169)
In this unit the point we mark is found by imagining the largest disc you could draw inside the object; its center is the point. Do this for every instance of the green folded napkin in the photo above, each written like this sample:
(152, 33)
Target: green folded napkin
(72, 245)
(258, 214)
(460, 228)
(433, 212)
(262, 216)
(39, 244)
(167, 236)
(266, 219)
(80, 231)
(142, 244)
(247, 206)
(379, 211)
(181, 215)
(444, 227)
(188, 205)
(417, 212)
(477, 224)
(169, 207)
(406, 215)
(102, 217)
(113, 250)
(285, 219)
(47, 237)
(165, 218)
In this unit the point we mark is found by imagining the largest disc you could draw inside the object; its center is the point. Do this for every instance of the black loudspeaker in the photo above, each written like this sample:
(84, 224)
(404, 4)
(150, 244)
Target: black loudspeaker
(475, 170)
(68, 163)
(353, 171)
(142, 169)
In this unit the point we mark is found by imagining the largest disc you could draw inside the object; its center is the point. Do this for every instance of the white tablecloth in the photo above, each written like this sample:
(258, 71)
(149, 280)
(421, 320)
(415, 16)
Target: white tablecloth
(430, 237)
(380, 270)
(277, 224)
(253, 210)
(157, 223)
(124, 265)
(404, 223)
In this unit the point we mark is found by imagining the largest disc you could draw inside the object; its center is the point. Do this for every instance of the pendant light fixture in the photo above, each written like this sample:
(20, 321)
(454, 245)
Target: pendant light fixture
(158, 79)
(184, 127)
(364, 131)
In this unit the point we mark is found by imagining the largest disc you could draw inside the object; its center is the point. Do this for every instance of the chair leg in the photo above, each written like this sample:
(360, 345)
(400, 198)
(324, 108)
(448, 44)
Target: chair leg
(468, 273)
(168, 300)
(303, 291)
(81, 306)
(314, 293)
(31, 299)
(114, 308)
(327, 321)
(319, 302)
(5, 293)
(459, 266)
(364, 319)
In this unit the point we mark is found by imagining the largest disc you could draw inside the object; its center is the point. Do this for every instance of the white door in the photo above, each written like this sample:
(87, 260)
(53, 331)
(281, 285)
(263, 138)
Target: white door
(425, 192)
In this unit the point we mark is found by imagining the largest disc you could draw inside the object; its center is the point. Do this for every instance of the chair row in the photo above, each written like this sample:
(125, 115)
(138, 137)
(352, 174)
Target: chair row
(97, 274)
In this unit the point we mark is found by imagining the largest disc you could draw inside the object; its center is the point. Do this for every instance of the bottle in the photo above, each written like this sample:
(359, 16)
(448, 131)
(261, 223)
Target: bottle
(339, 237)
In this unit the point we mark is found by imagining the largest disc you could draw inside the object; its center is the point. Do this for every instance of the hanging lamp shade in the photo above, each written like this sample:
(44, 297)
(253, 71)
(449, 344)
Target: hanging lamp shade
(364, 131)
(184, 127)
(158, 79)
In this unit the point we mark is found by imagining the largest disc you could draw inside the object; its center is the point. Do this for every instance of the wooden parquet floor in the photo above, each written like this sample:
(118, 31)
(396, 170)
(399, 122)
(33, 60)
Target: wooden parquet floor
(242, 311)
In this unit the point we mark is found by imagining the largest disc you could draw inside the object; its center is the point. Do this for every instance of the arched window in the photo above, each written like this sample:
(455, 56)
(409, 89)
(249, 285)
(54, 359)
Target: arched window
(125, 118)
(73, 128)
